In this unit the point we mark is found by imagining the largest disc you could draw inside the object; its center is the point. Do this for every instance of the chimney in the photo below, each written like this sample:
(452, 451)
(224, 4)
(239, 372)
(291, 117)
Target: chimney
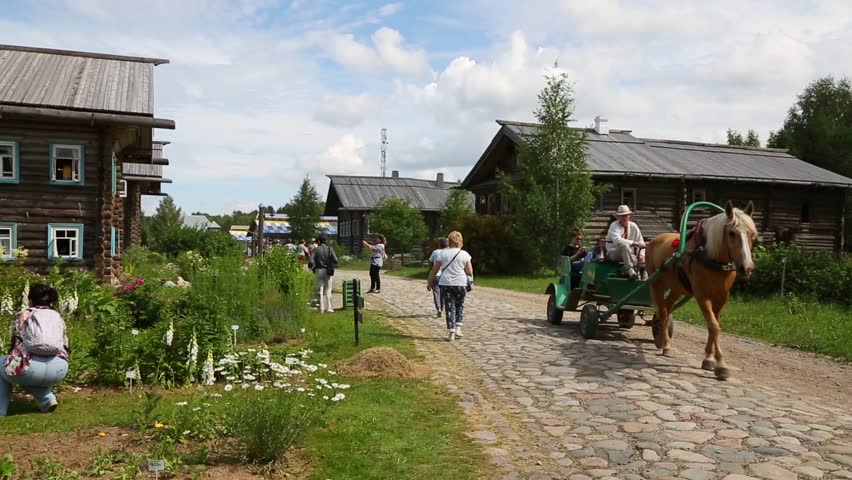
(601, 126)
(440, 180)
(395, 174)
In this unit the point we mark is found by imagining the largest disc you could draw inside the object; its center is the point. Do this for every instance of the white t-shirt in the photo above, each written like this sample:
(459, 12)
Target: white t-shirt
(452, 270)
(436, 255)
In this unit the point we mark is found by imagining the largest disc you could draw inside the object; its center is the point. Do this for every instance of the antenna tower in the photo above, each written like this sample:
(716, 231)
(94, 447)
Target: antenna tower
(384, 150)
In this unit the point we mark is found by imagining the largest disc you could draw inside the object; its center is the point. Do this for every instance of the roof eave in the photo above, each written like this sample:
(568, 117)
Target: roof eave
(74, 53)
(721, 177)
(92, 118)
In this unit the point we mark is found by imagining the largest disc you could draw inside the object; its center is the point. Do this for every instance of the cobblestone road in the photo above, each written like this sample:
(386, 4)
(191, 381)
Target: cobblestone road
(547, 404)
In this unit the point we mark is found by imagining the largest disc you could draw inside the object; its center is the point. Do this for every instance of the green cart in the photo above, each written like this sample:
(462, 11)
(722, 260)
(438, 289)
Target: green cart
(602, 293)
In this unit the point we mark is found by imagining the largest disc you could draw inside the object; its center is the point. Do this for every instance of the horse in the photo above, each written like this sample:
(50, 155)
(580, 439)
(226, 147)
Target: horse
(718, 250)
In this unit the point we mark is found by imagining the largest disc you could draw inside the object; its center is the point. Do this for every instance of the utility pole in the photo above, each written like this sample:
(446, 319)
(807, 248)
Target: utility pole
(384, 150)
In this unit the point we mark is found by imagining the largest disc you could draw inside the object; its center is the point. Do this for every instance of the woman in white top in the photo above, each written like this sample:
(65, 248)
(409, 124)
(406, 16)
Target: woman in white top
(456, 275)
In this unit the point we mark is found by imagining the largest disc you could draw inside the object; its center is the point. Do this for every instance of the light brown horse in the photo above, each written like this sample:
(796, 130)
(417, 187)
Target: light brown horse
(707, 275)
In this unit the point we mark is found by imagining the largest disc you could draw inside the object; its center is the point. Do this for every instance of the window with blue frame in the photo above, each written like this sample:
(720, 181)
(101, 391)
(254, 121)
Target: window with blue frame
(67, 164)
(9, 162)
(65, 241)
(8, 240)
(114, 241)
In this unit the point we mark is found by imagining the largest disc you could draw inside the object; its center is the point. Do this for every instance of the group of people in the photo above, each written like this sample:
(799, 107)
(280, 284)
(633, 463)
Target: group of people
(450, 278)
(621, 241)
(322, 260)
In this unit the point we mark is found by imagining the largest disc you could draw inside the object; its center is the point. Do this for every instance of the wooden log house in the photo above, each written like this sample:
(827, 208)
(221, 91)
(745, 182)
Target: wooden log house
(658, 179)
(76, 155)
(352, 198)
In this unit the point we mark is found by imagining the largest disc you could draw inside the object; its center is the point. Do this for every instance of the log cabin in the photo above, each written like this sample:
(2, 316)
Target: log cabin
(658, 179)
(77, 154)
(352, 198)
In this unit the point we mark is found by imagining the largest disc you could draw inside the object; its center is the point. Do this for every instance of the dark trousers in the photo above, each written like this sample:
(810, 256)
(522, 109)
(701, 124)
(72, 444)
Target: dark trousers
(375, 279)
(454, 305)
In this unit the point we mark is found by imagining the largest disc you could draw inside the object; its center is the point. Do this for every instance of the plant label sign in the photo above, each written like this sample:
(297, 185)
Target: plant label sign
(130, 374)
(156, 465)
(235, 327)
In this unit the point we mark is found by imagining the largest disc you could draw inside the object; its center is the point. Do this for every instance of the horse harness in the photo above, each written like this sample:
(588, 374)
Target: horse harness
(696, 250)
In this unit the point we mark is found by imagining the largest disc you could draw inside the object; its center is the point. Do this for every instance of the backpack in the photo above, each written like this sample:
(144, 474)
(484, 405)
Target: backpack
(43, 333)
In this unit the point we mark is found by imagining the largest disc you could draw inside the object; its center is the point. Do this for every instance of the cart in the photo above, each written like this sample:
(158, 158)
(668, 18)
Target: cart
(602, 293)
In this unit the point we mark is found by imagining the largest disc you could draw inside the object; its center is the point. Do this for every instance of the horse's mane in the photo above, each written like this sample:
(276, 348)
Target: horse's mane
(714, 228)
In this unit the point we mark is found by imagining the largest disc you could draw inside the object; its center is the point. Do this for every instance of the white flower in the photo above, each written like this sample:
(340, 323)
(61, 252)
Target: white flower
(186, 432)
(192, 351)
(332, 372)
(325, 397)
(338, 397)
(217, 395)
(25, 296)
(245, 386)
(208, 374)
(182, 404)
(291, 361)
(169, 336)
(263, 355)
(7, 305)
(302, 331)
(249, 377)
(300, 389)
(258, 387)
(196, 409)
(229, 387)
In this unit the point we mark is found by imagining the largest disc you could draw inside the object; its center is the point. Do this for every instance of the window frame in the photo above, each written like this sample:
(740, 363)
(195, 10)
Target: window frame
(52, 228)
(635, 197)
(81, 180)
(16, 161)
(702, 191)
(13, 233)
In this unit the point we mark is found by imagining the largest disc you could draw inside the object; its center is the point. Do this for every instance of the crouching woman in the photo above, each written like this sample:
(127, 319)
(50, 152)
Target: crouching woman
(38, 358)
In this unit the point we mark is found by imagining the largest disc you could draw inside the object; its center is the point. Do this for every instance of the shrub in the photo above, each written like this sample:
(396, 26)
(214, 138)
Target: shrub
(809, 274)
(493, 245)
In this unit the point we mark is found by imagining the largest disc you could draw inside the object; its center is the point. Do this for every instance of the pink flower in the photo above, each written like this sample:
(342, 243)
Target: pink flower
(128, 288)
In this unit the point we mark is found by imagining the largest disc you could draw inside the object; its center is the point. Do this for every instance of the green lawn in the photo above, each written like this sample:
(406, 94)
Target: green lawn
(816, 327)
(386, 428)
(519, 283)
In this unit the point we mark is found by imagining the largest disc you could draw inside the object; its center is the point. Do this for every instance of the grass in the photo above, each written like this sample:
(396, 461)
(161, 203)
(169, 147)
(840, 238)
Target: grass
(815, 327)
(386, 428)
(536, 283)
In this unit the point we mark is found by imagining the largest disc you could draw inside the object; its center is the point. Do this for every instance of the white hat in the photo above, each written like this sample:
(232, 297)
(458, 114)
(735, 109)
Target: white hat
(623, 210)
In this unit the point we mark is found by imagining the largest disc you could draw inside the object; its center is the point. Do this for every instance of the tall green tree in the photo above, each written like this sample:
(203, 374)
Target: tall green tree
(167, 218)
(818, 127)
(457, 205)
(752, 139)
(402, 224)
(305, 210)
(554, 192)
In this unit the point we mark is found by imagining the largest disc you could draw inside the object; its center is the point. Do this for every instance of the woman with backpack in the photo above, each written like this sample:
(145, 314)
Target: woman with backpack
(38, 357)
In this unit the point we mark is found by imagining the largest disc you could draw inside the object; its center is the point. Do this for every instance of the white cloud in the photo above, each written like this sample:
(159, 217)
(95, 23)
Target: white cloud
(388, 51)
(346, 110)
(345, 155)
(390, 9)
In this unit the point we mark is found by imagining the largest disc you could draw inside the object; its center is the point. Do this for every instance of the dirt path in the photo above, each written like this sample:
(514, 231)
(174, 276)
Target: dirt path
(547, 403)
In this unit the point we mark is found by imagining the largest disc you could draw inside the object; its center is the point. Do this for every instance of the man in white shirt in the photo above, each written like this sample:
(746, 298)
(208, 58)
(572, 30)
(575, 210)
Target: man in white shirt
(623, 240)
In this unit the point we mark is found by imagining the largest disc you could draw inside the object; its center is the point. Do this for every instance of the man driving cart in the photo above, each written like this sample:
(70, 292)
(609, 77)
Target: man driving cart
(626, 245)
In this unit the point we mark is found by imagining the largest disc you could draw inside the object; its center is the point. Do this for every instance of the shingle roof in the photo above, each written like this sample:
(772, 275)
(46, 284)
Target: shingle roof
(200, 222)
(620, 153)
(365, 193)
(76, 80)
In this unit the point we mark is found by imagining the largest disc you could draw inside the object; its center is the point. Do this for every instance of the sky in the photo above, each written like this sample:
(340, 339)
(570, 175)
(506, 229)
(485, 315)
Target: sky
(267, 92)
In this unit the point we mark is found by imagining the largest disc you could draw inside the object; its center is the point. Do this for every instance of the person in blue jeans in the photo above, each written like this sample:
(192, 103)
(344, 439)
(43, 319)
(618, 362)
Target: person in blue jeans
(576, 251)
(35, 371)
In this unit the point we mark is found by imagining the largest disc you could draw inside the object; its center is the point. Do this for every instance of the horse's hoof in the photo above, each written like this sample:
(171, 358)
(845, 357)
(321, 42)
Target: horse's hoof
(668, 352)
(722, 373)
(709, 365)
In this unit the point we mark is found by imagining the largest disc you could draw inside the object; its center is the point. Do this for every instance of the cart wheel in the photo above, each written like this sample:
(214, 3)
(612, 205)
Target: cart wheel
(589, 318)
(554, 315)
(626, 319)
(655, 330)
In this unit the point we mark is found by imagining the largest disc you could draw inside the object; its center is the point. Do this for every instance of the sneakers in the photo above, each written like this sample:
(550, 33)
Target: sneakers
(50, 407)
(631, 273)
(330, 310)
(438, 315)
(459, 332)
(451, 335)
(371, 291)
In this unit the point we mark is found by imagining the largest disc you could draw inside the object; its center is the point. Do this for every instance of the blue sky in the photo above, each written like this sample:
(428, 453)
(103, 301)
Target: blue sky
(265, 92)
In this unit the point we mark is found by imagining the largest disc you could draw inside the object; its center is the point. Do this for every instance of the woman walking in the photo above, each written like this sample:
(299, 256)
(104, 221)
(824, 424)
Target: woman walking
(38, 359)
(456, 278)
(436, 290)
(377, 260)
(323, 262)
